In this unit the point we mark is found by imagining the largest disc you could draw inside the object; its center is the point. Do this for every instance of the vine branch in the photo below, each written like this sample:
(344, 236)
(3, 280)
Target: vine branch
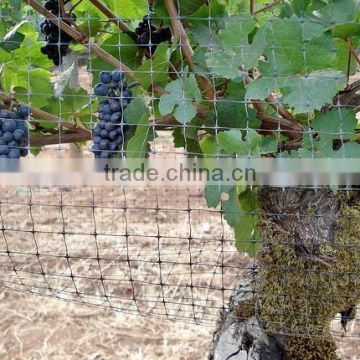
(267, 7)
(47, 116)
(66, 138)
(179, 31)
(252, 7)
(272, 101)
(63, 138)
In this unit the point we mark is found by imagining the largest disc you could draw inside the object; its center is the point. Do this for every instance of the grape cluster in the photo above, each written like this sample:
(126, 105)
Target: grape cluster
(110, 133)
(57, 45)
(149, 37)
(14, 133)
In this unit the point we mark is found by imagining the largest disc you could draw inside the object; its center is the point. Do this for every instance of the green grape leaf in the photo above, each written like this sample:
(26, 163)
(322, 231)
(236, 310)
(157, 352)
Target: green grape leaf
(138, 144)
(186, 8)
(189, 7)
(233, 7)
(240, 212)
(260, 88)
(27, 53)
(3, 29)
(338, 11)
(232, 141)
(188, 141)
(346, 31)
(231, 110)
(304, 93)
(231, 207)
(348, 150)
(35, 82)
(89, 18)
(181, 97)
(154, 71)
(310, 93)
(13, 39)
(10, 78)
(69, 107)
(235, 48)
(246, 232)
(128, 9)
(289, 52)
(212, 195)
(209, 146)
(135, 111)
(337, 124)
(342, 57)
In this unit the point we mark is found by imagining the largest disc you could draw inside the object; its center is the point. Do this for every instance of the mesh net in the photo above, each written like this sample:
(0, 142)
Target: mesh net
(161, 250)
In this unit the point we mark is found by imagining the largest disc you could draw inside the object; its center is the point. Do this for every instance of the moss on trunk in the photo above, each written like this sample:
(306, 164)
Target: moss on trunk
(298, 294)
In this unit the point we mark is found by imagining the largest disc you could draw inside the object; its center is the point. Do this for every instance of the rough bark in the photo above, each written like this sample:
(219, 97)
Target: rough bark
(239, 336)
(286, 303)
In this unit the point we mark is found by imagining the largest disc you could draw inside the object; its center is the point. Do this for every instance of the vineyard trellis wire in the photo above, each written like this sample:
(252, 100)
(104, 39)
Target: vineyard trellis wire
(171, 79)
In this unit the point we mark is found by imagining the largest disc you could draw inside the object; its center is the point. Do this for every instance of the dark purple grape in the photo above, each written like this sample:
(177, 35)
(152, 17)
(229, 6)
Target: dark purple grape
(51, 5)
(104, 133)
(104, 144)
(107, 110)
(121, 129)
(96, 148)
(18, 135)
(105, 77)
(97, 131)
(117, 76)
(9, 126)
(4, 149)
(119, 141)
(110, 126)
(105, 154)
(101, 90)
(113, 135)
(24, 111)
(24, 152)
(115, 117)
(107, 117)
(14, 153)
(8, 136)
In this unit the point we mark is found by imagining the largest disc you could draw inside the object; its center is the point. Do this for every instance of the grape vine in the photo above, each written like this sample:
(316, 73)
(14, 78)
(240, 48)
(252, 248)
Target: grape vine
(109, 134)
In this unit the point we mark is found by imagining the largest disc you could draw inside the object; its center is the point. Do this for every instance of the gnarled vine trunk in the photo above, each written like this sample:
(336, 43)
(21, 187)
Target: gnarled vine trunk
(307, 271)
